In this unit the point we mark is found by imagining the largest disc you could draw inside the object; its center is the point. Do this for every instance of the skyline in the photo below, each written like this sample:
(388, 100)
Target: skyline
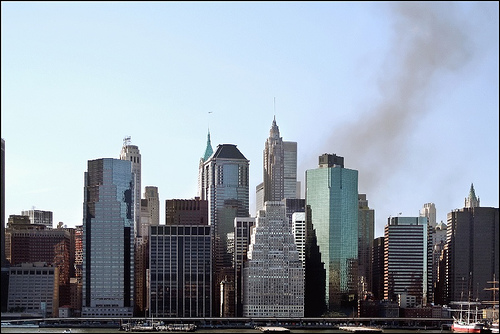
(408, 88)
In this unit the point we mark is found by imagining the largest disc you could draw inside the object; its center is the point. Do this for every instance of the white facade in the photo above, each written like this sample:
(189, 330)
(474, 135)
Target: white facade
(273, 278)
(131, 152)
(299, 233)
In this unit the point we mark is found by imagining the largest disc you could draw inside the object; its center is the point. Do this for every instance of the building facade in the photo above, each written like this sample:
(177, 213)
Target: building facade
(108, 239)
(39, 217)
(273, 279)
(243, 227)
(366, 227)
(225, 185)
(406, 266)
(332, 195)
(472, 257)
(180, 271)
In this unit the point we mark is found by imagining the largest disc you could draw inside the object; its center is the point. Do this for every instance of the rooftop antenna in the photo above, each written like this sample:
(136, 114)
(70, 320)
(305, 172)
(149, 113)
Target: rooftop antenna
(274, 106)
(126, 141)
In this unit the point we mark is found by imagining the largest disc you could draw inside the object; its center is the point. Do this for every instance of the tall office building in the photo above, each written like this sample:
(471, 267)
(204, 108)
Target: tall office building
(332, 195)
(5, 263)
(243, 227)
(207, 154)
(108, 239)
(406, 267)
(299, 234)
(377, 277)
(429, 211)
(131, 153)
(280, 168)
(180, 261)
(273, 279)
(472, 257)
(224, 184)
(366, 226)
(39, 217)
(153, 204)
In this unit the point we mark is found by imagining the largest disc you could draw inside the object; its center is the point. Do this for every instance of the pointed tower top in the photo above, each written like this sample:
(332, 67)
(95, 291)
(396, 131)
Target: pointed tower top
(472, 201)
(275, 131)
(208, 151)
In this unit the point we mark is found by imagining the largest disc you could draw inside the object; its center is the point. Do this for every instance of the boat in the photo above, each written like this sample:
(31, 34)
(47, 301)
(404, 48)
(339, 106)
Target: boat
(67, 330)
(465, 323)
(271, 329)
(6, 324)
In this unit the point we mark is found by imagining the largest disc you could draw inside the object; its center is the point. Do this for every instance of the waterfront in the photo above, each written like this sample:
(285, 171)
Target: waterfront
(222, 331)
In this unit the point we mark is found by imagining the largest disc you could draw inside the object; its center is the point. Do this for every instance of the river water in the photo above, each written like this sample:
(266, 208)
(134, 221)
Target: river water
(221, 331)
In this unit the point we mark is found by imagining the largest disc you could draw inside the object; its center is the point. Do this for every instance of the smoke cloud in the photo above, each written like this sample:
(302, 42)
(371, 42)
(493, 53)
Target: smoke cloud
(429, 40)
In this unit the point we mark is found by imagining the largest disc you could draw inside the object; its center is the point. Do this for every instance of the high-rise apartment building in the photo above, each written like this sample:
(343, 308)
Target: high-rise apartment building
(273, 279)
(406, 266)
(181, 261)
(366, 227)
(108, 239)
(224, 184)
(332, 195)
(39, 217)
(472, 257)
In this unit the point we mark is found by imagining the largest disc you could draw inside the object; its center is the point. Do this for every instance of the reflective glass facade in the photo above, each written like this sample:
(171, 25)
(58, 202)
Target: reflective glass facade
(332, 194)
(108, 239)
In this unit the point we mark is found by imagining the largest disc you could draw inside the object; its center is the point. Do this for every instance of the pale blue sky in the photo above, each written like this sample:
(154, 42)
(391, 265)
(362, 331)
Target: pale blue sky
(407, 93)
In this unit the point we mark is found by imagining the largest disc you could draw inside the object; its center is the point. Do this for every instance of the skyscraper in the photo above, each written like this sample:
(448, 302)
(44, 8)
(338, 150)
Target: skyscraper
(181, 261)
(131, 153)
(366, 219)
(406, 266)
(224, 184)
(153, 204)
(242, 231)
(332, 195)
(429, 211)
(273, 278)
(472, 257)
(39, 217)
(280, 168)
(108, 239)
(5, 264)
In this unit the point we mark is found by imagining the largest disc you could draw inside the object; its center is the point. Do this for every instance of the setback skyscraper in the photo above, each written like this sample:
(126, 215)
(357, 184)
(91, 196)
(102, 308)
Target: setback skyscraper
(332, 195)
(273, 278)
(108, 239)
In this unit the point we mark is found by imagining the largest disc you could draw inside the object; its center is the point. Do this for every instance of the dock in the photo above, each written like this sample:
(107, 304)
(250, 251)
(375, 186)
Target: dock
(354, 329)
(270, 329)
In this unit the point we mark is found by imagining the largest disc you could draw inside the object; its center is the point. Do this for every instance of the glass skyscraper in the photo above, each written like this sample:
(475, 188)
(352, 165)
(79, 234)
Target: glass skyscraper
(332, 195)
(108, 239)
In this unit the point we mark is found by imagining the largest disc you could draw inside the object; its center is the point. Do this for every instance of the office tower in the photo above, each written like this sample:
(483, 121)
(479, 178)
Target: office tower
(472, 257)
(406, 267)
(153, 204)
(5, 264)
(259, 197)
(77, 308)
(438, 237)
(293, 205)
(243, 227)
(429, 211)
(180, 261)
(225, 186)
(332, 194)
(315, 274)
(34, 288)
(51, 246)
(132, 153)
(108, 239)
(273, 279)
(299, 234)
(366, 226)
(39, 217)
(280, 167)
(377, 277)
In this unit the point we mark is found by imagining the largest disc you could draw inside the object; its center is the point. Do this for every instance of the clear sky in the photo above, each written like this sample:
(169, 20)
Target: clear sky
(407, 93)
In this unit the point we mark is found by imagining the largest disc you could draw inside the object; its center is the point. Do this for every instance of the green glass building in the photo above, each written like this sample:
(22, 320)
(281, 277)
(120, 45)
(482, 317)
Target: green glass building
(332, 194)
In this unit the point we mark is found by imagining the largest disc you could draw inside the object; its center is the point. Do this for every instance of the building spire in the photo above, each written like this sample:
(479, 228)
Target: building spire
(208, 151)
(472, 201)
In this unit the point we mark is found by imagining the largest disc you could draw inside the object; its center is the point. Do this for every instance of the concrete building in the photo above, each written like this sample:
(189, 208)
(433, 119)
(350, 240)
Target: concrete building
(34, 289)
(108, 239)
(39, 217)
(332, 194)
(273, 278)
